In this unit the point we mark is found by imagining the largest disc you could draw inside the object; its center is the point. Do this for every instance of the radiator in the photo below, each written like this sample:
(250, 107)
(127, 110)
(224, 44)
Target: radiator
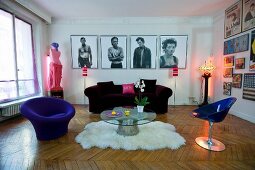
(10, 110)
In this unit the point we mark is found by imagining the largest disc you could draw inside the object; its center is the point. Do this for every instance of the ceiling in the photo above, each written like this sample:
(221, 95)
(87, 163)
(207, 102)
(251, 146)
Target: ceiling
(60, 9)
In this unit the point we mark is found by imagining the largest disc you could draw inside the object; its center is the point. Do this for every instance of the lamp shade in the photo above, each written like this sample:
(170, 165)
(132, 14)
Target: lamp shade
(84, 71)
(175, 71)
(207, 68)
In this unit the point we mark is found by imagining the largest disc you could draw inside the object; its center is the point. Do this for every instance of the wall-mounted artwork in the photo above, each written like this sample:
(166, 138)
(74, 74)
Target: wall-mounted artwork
(252, 52)
(173, 51)
(227, 88)
(235, 45)
(84, 51)
(228, 72)
(237, 80)
(249, 86)
(232, 24)
(143, 51)
(114, 51)
(248, 14)
(240, 63)
(228, 61)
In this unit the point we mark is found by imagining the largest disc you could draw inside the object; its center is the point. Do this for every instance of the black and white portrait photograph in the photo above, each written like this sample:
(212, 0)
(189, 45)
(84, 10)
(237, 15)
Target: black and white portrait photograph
(232, 23)
(143, 51)
(84, 51)
(114, 51)
(248, 14)
(173, 51)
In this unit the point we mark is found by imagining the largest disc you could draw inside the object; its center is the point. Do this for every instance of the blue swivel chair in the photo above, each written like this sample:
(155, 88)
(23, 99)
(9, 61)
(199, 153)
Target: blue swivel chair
(213, 113)
(49, 116)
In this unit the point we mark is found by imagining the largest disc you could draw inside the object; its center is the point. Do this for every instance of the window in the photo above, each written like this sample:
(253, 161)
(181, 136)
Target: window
(18, 77)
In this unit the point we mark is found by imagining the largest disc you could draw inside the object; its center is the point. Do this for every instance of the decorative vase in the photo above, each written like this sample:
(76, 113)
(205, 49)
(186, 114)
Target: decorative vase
(140, 109)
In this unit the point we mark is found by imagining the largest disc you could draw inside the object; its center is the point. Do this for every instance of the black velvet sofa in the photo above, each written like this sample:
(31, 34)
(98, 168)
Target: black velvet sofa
(106, 95)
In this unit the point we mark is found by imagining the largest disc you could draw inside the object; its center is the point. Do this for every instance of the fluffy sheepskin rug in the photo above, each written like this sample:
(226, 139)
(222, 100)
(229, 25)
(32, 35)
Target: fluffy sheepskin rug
(151, 136)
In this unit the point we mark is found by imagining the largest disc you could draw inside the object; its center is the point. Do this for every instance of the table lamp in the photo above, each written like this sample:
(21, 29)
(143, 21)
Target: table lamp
(206, 69)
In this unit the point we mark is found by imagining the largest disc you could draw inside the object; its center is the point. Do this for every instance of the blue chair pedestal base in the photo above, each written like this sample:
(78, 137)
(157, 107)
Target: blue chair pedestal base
(215, 146)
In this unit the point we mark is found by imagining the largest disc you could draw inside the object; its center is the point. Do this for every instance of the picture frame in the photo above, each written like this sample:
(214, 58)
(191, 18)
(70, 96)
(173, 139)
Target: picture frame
(248, 21)
(81, 55)
(149, 51)
(227, 86)
(237, 44)
(228, 72)
(229, 47)
(249, 86)
(252, 52)
(118, 57)
(229, 61)
(243, 43)
(232, 22)
(239, 63)
(179, 54)
(237, 80)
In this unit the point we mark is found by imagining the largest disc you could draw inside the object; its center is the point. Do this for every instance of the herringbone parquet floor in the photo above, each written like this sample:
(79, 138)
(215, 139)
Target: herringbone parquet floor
(19, 148)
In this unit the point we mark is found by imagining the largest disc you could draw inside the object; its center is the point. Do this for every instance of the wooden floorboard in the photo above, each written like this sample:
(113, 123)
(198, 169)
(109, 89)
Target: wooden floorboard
(19, 148)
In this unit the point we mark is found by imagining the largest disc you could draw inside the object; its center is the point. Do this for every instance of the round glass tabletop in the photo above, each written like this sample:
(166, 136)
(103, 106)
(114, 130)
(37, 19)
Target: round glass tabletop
(127, 116)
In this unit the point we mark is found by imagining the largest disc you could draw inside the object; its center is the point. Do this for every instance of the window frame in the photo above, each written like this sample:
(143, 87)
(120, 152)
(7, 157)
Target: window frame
(35, 75)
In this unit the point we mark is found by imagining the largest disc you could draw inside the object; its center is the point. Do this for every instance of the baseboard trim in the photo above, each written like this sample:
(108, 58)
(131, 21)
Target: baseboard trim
(243, 116)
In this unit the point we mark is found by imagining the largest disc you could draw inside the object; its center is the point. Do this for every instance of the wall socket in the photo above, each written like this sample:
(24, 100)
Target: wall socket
(192, 100)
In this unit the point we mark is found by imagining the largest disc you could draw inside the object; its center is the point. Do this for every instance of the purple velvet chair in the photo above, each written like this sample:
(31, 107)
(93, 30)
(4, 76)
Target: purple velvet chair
(49, 116)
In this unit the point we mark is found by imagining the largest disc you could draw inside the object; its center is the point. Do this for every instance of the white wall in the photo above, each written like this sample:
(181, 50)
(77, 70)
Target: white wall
(198, 29)
(242, 108)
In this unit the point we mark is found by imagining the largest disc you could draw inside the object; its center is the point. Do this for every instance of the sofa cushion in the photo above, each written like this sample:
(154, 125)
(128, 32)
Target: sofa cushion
(128, 88)
(105, 87)
(150, 85)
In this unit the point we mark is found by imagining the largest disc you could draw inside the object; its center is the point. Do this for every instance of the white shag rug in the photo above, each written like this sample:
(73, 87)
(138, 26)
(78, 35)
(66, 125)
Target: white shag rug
(151, 136)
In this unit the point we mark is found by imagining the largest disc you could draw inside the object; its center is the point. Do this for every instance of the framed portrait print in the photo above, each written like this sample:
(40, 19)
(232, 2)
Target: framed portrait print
(84, 51)
(240, 63)
(228, 72)
(248, 15)
(232, 24)
(114, 51)
(143, 51)
(252, 52)
(173, 51)
(228, 61)
(237, 80)
(227, 88)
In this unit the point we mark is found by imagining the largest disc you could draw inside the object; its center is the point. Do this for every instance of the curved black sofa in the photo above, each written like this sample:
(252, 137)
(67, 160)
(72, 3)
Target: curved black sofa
(110, 96)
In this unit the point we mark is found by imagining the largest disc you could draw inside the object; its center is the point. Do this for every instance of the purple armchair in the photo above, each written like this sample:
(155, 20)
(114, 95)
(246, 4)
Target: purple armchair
(49, 116)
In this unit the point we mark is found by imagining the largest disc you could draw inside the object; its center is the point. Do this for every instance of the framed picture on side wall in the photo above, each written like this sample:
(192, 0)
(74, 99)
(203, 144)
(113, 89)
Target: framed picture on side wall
(143, 51)
(173, 51)
(228, 72)
(114, 51)
(237, 80)
(227, 88)
(232, 23)
(228, 61)
(248, 15)
(252, 52)
(84, 51)
(240, 63)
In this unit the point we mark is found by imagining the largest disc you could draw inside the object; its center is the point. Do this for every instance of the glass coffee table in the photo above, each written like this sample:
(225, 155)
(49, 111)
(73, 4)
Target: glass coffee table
(127, 119)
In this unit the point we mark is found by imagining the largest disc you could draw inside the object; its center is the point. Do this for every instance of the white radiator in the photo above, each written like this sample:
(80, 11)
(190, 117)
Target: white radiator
(10, 110)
